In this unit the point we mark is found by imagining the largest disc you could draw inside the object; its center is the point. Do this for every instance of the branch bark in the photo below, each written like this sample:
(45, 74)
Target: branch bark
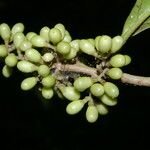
(135, 80)
(126, 78)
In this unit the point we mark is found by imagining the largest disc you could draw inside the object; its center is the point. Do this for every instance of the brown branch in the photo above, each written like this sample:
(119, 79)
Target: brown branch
(126, 78)
(76, 68)
(135, 80)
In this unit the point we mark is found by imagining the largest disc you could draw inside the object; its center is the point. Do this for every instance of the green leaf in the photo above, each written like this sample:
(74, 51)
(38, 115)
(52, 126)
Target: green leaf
(144, 26)
(137, 17)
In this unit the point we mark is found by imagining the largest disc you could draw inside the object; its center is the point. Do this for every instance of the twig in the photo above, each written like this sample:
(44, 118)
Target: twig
(76, 68)
(126, 78)
(135, 80)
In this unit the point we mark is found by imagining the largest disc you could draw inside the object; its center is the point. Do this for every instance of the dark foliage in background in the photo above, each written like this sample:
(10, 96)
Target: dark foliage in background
(28, 123)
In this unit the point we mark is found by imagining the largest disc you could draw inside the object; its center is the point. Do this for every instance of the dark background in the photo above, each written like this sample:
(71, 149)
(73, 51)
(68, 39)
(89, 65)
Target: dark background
(26, 123)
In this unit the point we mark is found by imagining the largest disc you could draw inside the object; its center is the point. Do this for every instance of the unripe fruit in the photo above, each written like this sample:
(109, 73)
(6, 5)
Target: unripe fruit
(43, 70)
(82, 83)
(102, 110)
(128, 59)
(115, 73)
(67, 37)
(7, 71)
(28, 83)
(97, 41)
(44, 33)
(30, 35)
(25, 45)
(33, 55)
(91, 114)
(18, 27)
(61, 28)
(111, 89)
(26, 66)
(70, 93)
(117, 61)
(48, 81)
(104, 44)
(92, 41)
(48, 57)
(97, 89)
(72, 54)
(107, 100)
(11, 60)
(75, 44)
(3, 51)
(117, 42)
(47, 93)
(5, 32)
(55, 35)
(38, 41)
(63, 48)
(18, 39)
(74, 107)
(87, 47)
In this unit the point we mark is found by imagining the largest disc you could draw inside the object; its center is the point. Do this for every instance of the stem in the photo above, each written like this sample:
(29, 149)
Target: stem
(76, 68)
(126, 78)
(135, 80)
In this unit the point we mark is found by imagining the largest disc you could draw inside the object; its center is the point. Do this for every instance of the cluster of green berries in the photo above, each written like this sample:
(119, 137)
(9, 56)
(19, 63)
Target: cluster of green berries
(37, 54)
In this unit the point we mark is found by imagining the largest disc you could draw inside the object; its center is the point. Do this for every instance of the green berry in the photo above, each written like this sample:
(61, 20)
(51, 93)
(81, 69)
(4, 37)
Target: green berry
(47, 93)
(117, 42)
(63, 48)
(91, 114)
(43, 70)
(18, 27)
(102, 109)
(115, 73)
(82, 83)
(33, 55)
(117, 61)
(74, 107)
(111, 89)
(70, 93)
(28, 83)
(5, 32)
(25, 45)
(30, 35)
(44, 33)
(97, 41)
(48, 81)
(97, 89)
(67, 37)
(38, 41)
(72, 54)
(104, 44)
(107, 100)
(92, 41)
(87, 47)
(61, 28)
(11, 60)
(75, 44)
(3, 51)
(128, 59)
(18, 39)
(26, 66)
(48, 57)
(55, 35)
(7, 71)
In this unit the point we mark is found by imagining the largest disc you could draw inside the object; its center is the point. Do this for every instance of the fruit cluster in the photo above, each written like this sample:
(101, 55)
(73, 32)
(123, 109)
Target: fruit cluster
(57, 64)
